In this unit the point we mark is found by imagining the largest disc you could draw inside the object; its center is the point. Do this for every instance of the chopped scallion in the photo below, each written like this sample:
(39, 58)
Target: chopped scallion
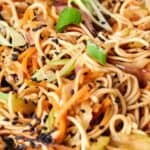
(96, 53)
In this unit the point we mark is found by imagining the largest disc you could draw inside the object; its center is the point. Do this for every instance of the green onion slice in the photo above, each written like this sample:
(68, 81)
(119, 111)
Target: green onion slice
(96, 53)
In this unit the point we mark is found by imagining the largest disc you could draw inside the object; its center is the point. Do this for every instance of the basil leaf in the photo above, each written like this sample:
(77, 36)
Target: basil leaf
(68, 16)
(96, 53)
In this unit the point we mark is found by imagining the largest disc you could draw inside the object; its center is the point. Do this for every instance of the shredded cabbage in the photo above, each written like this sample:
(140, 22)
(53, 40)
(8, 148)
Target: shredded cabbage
(9, 36)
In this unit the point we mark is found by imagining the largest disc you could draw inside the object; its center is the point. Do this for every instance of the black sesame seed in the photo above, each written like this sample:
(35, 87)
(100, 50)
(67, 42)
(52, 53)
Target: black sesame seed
(14, 122)
(34, 103)
(117, 100)
(10, 145)
(50, 107)
(72, 76)
(1, 17)
(101, 127)
(90, 86)
(10, 39)
(71, 134)
(72, 91)
(49, 56)
(25, 101)
(39, 27)
(73, 146)
(114, 1)
(93, 140)
(101, 39)
(103, 22)
(85, 73)
(55, 40)
(2, 127)
(16, 50)
(15, 118)
(6, 119)
(82, 110)
(57, 53)
(45, 118)
(100, 86)
(43, 58)
(45, 138)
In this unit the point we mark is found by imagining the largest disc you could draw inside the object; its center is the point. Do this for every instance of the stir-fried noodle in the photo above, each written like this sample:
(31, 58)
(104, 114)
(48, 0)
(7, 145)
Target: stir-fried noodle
(55, 96)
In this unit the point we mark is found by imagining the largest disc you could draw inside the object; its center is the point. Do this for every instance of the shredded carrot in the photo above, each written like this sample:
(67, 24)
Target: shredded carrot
(32, 83)
(25, 56)
(60, 120)
(1, 48)
(62, 130)
(34, 62)
(79, 95)
(28, 15)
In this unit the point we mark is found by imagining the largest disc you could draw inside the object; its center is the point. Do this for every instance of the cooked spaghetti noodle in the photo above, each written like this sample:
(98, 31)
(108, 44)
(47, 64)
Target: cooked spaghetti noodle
(54, 96)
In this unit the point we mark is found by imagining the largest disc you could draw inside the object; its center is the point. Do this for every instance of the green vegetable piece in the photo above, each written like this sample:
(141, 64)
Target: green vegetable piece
(69, 66)
(96, 53)
(101, 143)
(68, 16)
(50, 120)
(57, 62)
(42, 74)
(4, 96)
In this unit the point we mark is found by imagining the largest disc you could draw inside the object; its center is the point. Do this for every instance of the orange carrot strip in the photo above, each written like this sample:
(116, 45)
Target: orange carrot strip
(62, 130)
(61, 118)
(28, 15)
(29, 52)
(34, 63)
(79, 95)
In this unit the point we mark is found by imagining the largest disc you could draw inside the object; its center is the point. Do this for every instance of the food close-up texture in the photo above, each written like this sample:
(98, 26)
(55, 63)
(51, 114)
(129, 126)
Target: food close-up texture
(74, 74)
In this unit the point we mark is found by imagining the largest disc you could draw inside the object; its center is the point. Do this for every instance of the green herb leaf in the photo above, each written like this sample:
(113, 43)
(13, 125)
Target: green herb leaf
(68, 16)
(96, 53)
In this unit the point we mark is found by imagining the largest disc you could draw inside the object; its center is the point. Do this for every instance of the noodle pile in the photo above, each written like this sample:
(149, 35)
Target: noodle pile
(53, 96)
